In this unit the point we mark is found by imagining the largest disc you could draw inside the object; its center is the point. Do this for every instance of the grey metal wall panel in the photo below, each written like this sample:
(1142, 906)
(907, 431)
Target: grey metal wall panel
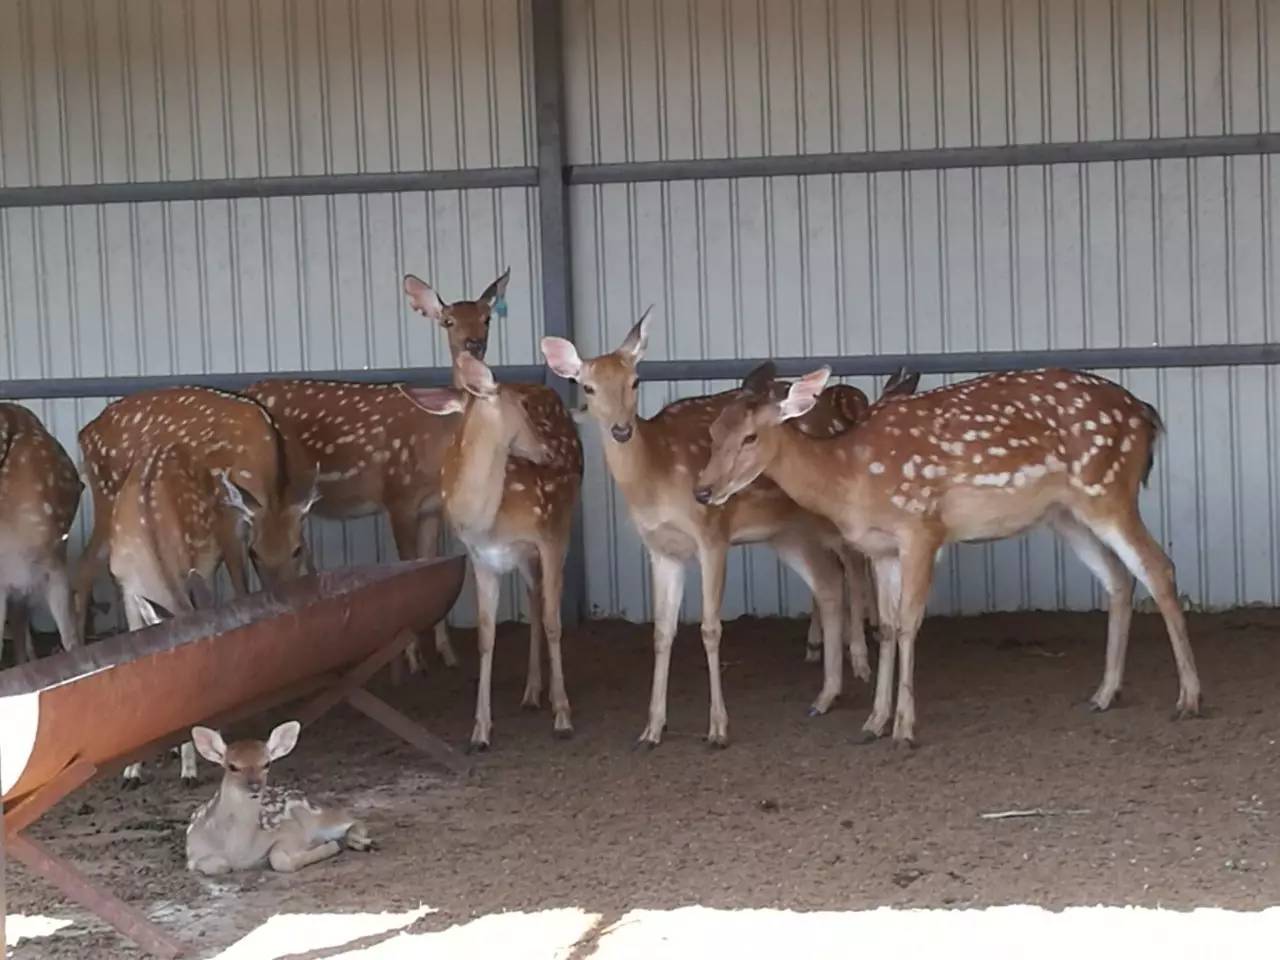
(308, 283)
(1129, 254)
(136, 90)
(674, 79)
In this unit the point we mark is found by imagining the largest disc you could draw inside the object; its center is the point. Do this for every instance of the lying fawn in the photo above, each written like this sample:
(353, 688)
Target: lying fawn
(248, 824)
(509, 483)
(979, 460)
(654, 461)
(375, 448)
(39, 496)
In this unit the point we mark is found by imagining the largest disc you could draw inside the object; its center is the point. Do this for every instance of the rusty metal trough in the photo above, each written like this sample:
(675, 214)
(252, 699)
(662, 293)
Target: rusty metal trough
(74, 716)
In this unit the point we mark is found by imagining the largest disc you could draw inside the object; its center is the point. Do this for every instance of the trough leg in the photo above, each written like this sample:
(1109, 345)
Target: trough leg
(73, 884)
(350, 688)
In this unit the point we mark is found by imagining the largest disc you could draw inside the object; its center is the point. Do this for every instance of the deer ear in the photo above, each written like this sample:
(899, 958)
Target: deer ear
(283, 739)
(475, 377)
(804, 394)
(760, 380)
(902, 383)
(423, 298)
(312, 495)
(562, 357)
(496, 292)
(438, 400)
(209, 744)
(638, 338)
(237, 496)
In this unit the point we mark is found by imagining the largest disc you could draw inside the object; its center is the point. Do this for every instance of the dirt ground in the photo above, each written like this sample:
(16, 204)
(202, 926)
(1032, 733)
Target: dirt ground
(1141, 810)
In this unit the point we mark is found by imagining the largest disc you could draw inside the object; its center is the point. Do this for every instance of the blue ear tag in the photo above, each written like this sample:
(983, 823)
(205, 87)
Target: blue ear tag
(500, 307)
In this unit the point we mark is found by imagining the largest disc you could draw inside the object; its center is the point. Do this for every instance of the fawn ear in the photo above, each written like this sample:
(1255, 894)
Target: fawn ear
(423, 298)
(209, 744)
(283, 739)
(804, 394)
(562, 357)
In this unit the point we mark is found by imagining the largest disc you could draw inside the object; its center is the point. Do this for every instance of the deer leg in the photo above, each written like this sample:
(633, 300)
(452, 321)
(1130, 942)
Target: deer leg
(854, 567)
(189, 773)
(531, 571)
(887, 577)
(24, 650)
(407, 534)
(213, 865)
(820, 569)
(1118, 583)
(867, 579)
(487, 589)
(1130, 539)
(288, 855)
(93, 558)
(916, 571)
(428, 543)
(551, 560)
(57, 595)
(712, 558)
(668, 589)
(813, 639)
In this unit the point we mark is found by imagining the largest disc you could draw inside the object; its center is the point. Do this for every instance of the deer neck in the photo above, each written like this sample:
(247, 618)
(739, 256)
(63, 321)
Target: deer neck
(629, 462)
(475, 476)
(234, 812)
(804, 469)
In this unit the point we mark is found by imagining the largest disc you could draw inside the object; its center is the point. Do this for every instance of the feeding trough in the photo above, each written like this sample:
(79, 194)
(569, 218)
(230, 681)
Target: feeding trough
(74, 716)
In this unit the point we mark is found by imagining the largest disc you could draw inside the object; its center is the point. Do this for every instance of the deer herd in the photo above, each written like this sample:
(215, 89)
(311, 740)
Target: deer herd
(857, 497)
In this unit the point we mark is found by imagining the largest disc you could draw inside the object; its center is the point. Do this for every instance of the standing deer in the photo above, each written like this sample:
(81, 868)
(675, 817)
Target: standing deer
(980, 460)
(248, 824)
(838, 408)
(164, 547)
(509, 482)
(39, 496)
(375, 448)
(654, 463)
(220, 432)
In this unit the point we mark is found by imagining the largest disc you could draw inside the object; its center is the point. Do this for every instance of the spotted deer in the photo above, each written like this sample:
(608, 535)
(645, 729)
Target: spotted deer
(39, 496)
(376, 449)
(248, 824)
(220, 432)
(509, 483)
(654, 462)
(838, 408)
(984, 459)
(164, 547)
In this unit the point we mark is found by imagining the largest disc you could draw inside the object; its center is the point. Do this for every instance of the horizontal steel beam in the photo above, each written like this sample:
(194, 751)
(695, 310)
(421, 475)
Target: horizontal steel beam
(947, 158)
(1101, 358)
(238, 188)
(71, 387)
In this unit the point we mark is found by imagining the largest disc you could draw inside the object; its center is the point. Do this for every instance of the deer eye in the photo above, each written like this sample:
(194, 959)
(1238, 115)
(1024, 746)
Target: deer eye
(749, 439)
(234, 767)
(297, 551)
(446, 322)
(588, 390)
(635, 384)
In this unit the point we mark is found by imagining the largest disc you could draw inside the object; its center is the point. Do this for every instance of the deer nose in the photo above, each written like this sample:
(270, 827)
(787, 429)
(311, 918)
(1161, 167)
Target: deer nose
(702, 495)
(476, 348)
(621, 432)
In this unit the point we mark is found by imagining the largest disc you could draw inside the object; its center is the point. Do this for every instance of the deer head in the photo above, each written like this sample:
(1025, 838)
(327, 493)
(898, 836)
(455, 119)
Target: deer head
(609, 382)
(465, 322)
(245, 763)
(493, 418)
(275, 538)
(744, 438)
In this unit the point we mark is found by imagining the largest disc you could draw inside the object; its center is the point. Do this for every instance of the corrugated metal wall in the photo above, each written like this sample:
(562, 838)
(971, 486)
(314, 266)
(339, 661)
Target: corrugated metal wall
(1067, 256)
(134, 91)
(1105, 254)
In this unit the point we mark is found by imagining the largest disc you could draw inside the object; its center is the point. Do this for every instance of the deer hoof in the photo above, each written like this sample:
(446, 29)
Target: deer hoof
(190, 782)
(478, 746)
(904, 744)
(530, 705)
(132, 783)
(866, 737)
(718, 742)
